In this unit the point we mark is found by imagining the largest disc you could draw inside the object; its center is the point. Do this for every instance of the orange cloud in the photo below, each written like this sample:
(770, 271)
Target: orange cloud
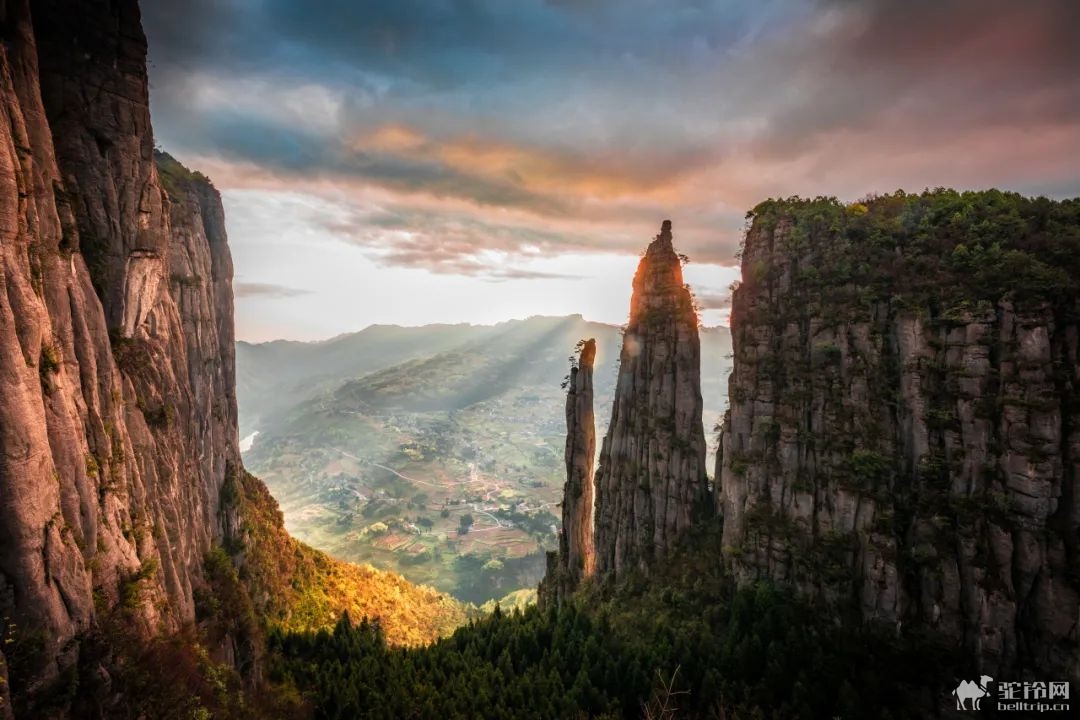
(391, 139)
(574, 176)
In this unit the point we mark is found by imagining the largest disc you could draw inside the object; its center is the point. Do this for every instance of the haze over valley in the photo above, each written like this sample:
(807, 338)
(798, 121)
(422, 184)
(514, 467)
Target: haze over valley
(380, 444)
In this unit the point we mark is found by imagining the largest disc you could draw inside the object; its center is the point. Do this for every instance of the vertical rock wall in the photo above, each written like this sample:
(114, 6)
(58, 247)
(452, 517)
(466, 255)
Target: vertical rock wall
(903, 439)
(576, 557)
(117, 409)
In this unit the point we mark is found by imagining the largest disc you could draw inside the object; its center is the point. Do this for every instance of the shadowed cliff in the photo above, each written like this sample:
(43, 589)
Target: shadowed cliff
(119, 460)
(903, 440)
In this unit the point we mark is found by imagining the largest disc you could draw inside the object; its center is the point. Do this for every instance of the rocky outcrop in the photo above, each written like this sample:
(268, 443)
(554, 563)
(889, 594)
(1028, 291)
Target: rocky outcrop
(575, 559)
(117, 402)
(651, 483)
(903, 438)
(576, 541)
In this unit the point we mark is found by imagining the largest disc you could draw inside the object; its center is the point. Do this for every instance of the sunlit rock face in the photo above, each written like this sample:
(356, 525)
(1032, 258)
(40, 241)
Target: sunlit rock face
(651, 484)
(117, 402)
(575, 559)
(576, 543)
(906, 458)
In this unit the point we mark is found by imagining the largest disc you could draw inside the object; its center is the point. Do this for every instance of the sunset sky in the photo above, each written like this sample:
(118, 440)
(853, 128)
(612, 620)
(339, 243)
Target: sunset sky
(479, 160)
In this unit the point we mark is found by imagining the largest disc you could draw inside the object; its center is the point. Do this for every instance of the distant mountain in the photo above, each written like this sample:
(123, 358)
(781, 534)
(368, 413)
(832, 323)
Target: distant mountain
(274, 377)
(381, 445)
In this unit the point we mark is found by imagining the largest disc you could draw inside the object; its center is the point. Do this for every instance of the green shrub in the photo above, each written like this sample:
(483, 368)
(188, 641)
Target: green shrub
(48, 366)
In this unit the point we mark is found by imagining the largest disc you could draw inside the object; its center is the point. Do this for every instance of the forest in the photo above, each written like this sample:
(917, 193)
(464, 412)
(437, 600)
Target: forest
(683, 643)
(941, 247)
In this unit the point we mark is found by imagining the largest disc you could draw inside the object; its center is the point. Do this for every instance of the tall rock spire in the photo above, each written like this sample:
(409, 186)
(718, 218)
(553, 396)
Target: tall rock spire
(575, 559)
(577, 556)
(651, 483)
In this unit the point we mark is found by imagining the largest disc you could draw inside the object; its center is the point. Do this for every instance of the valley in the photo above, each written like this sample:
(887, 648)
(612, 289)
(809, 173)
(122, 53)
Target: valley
(445, 467)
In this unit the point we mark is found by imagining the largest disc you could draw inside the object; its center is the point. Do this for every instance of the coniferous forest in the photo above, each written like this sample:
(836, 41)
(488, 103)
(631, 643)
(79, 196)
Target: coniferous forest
(686, 644)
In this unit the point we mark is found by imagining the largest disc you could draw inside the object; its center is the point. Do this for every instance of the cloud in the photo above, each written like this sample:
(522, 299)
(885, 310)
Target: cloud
(487, 128)
(269, 290)
(944, 68)
(527, 104)
(447, 242)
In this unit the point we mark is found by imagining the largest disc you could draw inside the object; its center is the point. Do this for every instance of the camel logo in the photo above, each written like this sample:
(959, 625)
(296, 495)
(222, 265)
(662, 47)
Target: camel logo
(974, 691)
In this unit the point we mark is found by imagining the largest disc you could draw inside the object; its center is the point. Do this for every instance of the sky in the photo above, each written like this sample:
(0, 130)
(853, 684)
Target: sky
(423, 161)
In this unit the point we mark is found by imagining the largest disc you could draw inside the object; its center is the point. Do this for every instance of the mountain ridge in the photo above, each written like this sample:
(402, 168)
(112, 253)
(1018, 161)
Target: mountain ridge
(305, 364)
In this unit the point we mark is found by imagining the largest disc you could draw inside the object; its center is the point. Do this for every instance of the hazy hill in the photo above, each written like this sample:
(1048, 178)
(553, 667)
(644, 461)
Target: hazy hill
(274, 376)
(380, 444)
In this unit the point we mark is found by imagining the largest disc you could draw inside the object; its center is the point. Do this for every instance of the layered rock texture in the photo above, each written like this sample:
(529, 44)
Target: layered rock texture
(120, 474)
(117, 402)
(903, 439)
(576, 543)
(651, 483)
(575, 559)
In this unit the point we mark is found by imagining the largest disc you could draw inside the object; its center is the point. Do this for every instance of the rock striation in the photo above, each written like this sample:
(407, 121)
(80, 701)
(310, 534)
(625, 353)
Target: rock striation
(651, 484)
(117, 389)
(903, 438)
(575, 559)
(576, 543)
(131, 538)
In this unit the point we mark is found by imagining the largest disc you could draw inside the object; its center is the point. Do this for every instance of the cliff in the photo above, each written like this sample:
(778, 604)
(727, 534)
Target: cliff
(119, 461)
(117, 407)
(903, 439)
(576, 542)
(651, 483)
(575, 559)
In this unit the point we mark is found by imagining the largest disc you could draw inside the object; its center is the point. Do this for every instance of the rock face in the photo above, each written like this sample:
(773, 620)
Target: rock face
(5, 694)
(576, 557)
(903, 439)
(117, 404)
(651, 484)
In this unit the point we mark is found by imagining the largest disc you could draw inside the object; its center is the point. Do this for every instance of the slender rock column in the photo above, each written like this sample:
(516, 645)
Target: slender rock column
(576, 545)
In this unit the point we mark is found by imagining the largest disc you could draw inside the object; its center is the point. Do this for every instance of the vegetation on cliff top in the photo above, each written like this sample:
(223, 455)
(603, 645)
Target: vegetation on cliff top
(175, 176)
(940, 246)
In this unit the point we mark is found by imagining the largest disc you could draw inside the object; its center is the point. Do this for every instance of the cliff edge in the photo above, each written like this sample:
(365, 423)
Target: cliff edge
(903, 439)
